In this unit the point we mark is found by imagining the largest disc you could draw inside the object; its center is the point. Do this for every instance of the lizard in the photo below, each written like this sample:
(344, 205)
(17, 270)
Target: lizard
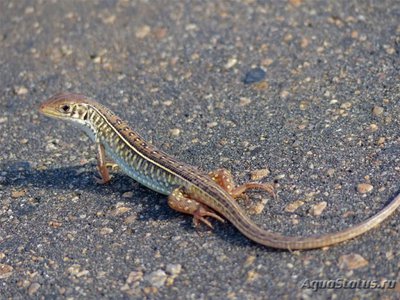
(189, 190)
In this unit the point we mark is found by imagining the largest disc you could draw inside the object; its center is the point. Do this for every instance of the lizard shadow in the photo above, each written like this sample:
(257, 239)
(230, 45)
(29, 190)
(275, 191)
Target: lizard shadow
(21, 175)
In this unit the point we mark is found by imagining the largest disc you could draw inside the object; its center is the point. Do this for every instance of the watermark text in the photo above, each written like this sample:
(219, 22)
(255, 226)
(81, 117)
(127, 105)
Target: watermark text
(342, 283)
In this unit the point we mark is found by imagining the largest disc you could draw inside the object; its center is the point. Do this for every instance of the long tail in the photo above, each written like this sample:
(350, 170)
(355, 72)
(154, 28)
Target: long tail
(275, 240)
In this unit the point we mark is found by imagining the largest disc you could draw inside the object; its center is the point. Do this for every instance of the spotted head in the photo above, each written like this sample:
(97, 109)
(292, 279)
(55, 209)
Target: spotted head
(68, 106)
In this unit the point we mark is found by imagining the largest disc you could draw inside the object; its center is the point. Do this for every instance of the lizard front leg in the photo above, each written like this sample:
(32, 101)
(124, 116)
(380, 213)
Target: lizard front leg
(102, 165)
(225, 179)
(182, 202)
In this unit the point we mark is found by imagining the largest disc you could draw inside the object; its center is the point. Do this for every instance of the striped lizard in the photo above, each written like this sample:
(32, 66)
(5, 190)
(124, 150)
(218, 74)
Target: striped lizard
(189, 190)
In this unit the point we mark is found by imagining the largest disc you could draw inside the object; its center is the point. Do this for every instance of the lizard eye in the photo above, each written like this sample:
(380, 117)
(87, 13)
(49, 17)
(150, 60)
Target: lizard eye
(65, 108)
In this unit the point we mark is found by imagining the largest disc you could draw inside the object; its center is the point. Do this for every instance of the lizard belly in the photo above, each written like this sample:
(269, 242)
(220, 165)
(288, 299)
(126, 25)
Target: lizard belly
(160, 186)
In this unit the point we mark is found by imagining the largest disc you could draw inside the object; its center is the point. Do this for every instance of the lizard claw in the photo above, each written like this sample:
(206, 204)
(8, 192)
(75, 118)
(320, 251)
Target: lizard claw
(200, 214)
(198, 220)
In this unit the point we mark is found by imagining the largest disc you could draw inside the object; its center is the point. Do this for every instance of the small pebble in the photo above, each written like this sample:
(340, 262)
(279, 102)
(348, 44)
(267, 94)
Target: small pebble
(106, 230)
(304, 43)
(173, 269)
(120, 211)
(143, 31)
(258, 208)
(389, 255)
(134, 276)
(284, 94)
(352, 261)
(156, 278)
(149, 290)
(160, 32)
(333, 101)
(244, 101)
(279, 176)
(254, 75)
(372, 127)
(18, 193)
(127, 195)
(288, 37)
(346, 105)
(252, 275)
(55, 224)
(390, 50)
(348, 214)
(263, 85)
(259, 174)
(230, 63)
(5, 271)
(380, 141)
(109, 20)
(167, 103)
(130, 219)
(74, 269)
(330, 172)
(97, 59)
(318, 208)
(377, 110)
(191, 27)
(295, 2)
(82, 273)
(364, 188)
(212, 124)
(249, 260)
(29, 10)
(20, 90)
(304, 105)
(292, 207)
(175, 131)
(33, 288)
(295, 221)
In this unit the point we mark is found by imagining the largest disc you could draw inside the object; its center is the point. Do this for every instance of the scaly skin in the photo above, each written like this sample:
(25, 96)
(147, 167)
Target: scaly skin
(189, 190)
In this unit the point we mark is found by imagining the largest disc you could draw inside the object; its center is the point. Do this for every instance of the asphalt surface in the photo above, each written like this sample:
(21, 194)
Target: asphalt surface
(306, 89)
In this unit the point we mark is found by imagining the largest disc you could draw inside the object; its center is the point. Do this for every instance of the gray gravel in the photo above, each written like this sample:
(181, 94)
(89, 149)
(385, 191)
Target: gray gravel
(323, 119)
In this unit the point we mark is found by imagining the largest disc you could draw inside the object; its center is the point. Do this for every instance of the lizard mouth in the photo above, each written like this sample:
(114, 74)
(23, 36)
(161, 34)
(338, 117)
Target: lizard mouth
(42, 108)
(47, 111)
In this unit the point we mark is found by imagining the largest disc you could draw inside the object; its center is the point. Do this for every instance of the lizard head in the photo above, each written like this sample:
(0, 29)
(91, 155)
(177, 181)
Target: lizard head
(69, 106)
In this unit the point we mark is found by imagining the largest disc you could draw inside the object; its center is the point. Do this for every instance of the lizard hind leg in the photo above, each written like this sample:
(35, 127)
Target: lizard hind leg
(181, 202)
(225, 179)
